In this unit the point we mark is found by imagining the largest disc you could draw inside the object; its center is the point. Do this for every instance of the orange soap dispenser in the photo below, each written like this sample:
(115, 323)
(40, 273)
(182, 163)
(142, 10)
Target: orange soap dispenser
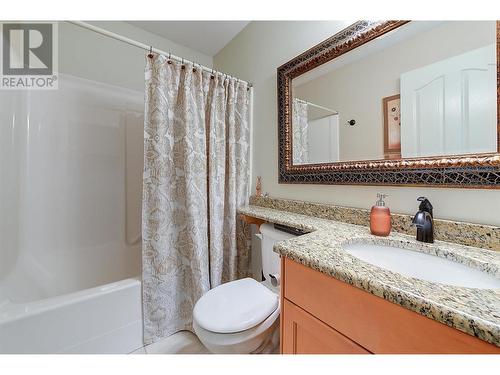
(380, 217)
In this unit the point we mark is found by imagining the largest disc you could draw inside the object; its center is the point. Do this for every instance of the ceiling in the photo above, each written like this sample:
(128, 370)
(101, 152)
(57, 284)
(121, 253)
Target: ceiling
(208, 37)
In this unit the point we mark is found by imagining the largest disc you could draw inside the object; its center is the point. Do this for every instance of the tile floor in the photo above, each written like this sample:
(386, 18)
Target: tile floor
(183, 342)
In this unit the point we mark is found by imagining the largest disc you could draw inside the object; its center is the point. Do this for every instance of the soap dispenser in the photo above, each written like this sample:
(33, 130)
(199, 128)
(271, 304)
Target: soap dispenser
(380, 217)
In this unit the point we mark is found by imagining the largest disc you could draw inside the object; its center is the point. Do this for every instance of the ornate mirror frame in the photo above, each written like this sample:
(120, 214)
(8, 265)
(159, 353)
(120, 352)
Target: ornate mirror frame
(464, 171)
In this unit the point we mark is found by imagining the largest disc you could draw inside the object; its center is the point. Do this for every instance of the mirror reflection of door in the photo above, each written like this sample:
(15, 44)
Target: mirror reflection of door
(449, 107)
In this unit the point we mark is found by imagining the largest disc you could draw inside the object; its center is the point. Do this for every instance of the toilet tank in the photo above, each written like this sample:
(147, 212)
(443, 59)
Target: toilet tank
(270, 259)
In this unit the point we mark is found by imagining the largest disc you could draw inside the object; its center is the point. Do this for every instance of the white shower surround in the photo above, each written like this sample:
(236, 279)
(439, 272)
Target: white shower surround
(71, 172)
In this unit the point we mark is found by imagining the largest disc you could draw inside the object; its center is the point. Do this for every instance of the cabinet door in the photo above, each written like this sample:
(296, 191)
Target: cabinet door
(304, 334)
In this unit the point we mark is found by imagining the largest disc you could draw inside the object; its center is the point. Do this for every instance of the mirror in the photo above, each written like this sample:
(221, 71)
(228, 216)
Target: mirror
(422, 89)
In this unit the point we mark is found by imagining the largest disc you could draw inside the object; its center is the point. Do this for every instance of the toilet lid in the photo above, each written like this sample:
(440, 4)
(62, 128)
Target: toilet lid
(235, 306)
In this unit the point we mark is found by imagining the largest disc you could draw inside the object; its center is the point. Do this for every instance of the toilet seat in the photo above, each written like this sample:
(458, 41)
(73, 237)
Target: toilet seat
(241, 316)
(249, 341)
(235, 306)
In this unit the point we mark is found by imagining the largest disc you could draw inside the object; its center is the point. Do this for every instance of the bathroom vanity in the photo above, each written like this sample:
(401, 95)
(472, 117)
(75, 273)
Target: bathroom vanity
(334, 302)
(339, 123)
(322, 315)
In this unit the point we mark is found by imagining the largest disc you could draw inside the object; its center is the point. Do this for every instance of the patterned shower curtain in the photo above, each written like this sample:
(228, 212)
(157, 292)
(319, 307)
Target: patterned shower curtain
(300, 125)
(196, 174)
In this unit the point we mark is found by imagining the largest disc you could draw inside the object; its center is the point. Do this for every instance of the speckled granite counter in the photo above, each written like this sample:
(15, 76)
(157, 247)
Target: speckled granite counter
(469, 234)
(474, 311)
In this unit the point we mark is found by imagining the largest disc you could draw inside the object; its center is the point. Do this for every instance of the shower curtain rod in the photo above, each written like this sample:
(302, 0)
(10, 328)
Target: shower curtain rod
(146, 47)
(317, 106)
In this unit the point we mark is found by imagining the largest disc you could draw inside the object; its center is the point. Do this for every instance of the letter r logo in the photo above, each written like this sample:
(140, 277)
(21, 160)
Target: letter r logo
(27, 49)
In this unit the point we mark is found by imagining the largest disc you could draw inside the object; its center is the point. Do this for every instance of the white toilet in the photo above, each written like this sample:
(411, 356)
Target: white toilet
(242, 316)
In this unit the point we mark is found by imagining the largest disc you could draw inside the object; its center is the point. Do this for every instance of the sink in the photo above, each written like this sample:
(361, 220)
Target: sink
(422, 266)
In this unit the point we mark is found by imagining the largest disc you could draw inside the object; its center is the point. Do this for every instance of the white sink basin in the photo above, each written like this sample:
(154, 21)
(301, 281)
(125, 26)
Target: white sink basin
(422, 266)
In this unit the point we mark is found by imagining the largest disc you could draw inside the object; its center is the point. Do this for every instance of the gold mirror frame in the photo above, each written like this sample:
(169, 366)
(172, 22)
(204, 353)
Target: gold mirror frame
(466, 171)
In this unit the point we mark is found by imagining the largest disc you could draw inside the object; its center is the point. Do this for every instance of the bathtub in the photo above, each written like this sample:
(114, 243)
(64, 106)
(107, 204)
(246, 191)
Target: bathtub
(70, 218)
(103, 319)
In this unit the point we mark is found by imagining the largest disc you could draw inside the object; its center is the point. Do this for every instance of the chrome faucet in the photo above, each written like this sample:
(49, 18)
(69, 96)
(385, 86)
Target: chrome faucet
(424, 222)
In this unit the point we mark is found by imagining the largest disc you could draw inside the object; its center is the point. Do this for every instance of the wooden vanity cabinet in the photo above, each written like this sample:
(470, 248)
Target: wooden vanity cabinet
(322, 315)
(305, 334)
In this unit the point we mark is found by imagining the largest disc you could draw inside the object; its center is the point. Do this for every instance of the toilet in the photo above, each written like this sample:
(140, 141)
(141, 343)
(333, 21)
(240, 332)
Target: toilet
(242, 316)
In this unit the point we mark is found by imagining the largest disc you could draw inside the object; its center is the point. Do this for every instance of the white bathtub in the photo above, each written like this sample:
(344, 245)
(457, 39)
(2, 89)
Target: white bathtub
(104, 319)
(70, 218)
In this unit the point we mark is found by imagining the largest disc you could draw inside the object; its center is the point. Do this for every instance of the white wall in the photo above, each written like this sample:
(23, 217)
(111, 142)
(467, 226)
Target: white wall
(254, 55)
(86, 54)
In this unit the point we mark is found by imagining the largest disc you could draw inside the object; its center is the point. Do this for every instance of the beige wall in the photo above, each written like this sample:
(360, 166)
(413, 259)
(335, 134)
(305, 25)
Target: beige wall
(89, 55)
(356, 90)
(254, 55)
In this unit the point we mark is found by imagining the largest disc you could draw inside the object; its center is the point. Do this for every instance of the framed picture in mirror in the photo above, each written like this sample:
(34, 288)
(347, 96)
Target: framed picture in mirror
(392, 126)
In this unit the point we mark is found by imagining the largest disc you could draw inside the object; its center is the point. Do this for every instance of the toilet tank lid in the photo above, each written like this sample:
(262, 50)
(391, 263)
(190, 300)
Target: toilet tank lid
(235, 306)
(269, 231)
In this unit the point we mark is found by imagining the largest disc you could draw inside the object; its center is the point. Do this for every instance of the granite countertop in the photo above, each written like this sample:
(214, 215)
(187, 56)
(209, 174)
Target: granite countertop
(473, 311)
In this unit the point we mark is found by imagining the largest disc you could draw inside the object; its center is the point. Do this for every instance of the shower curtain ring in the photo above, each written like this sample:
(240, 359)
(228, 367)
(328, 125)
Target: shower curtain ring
(150, 55)
(213, 74)
(169, 61)
(182, 64)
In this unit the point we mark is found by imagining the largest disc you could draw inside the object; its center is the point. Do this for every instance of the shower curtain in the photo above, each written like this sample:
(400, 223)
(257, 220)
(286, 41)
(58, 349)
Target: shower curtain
(300, 141)
(196, 174)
